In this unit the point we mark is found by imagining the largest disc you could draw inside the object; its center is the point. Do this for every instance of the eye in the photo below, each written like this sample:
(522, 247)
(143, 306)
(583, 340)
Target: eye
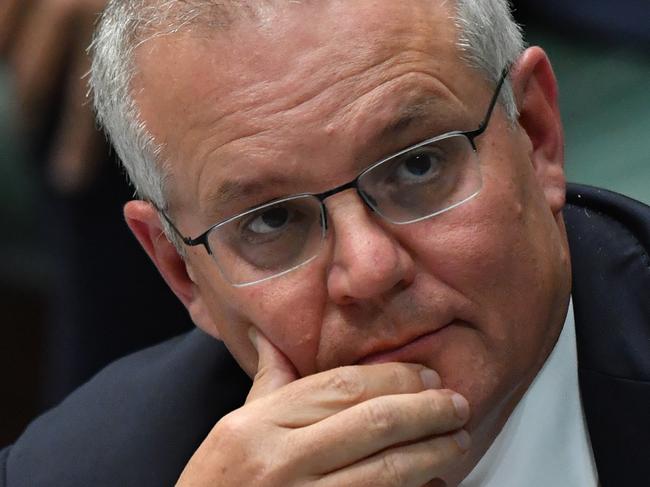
(269, 220)
(419, 166)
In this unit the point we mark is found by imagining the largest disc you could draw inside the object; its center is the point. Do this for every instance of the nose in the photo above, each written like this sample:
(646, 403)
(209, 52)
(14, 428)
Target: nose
(368, 260)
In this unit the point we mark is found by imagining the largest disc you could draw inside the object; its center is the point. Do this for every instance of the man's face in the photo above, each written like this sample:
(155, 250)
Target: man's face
(298, 103)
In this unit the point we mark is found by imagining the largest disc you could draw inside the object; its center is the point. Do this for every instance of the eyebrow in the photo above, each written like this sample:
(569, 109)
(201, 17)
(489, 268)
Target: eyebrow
(416, 110)
(232, 190)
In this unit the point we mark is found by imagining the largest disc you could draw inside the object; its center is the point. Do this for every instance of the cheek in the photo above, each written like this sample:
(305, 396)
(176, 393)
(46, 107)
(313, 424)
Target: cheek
(500, 249)
(474, 251)
(502, 253)
(287, 310)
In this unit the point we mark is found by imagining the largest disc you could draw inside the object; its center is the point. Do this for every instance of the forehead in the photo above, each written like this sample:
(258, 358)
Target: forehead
(259, 87)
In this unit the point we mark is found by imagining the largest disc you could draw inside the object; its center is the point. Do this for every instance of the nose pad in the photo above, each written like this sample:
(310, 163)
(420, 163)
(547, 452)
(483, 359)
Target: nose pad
(324, 223)
(366, 199)
(369, 200)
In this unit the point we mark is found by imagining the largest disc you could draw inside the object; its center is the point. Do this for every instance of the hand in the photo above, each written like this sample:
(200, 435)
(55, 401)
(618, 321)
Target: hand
(44, 43)
(376, 425)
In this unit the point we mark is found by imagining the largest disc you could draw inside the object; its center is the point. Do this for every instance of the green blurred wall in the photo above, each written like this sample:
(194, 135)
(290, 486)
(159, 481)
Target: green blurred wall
(605, 103)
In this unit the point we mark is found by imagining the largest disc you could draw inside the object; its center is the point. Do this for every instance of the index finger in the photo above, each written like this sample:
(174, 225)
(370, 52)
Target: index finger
(316, 397)
(274, 370)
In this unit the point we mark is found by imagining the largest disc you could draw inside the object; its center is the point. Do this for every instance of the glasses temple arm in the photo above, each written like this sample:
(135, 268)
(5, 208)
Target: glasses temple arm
(187, 240)
(493, 102)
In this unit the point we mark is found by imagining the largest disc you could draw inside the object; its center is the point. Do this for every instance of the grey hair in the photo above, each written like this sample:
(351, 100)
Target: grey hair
(488, 38)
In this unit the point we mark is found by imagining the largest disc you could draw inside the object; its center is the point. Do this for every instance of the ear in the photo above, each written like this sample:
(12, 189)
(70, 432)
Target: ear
(536, 91)
(144, 221)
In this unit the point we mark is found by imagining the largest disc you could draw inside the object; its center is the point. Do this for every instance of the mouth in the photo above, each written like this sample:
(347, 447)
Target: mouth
(415, 350)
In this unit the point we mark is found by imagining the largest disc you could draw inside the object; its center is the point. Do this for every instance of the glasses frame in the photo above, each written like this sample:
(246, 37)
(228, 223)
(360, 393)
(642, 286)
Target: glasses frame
(471, 136)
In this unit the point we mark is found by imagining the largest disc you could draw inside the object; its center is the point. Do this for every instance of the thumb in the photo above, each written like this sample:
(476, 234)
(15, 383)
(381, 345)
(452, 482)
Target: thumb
(273, 368)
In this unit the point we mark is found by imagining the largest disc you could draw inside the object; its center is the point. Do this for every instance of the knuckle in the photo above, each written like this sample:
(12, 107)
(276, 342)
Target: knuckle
(232, 428)
(348, 382)
(392, 474)
(403, 374)
(381, 418)
(440, 403)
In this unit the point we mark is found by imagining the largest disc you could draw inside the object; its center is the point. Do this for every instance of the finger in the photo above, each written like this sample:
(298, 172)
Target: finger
(274, 370)
(378, 424)
(38, 56)
(314, 398)
(412, 465)
(11, 13)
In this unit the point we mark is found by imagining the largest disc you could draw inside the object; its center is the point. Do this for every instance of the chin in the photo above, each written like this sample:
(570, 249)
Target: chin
(467, 366)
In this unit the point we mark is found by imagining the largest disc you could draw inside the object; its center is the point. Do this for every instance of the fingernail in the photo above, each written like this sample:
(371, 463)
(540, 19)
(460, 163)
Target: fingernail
(461, 405)
(463, 440)
(430, 379)
(252, 335)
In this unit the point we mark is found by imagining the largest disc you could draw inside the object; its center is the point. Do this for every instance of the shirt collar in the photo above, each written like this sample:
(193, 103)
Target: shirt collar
(545, 440)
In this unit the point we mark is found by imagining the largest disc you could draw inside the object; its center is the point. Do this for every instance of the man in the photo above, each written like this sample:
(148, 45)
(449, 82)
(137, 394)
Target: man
(364, 202)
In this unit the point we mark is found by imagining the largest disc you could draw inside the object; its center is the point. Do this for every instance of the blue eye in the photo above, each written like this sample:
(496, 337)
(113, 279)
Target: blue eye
(269, 220)
(419, 167)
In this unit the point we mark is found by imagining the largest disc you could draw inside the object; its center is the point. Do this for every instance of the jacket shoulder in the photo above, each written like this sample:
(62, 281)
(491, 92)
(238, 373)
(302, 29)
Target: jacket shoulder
(609, 236)
(601, 210)
(136, 423)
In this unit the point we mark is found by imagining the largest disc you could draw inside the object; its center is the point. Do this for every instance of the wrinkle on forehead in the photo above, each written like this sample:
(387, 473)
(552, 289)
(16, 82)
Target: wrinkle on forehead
(387, 134)
(305, 80)
(308, 51)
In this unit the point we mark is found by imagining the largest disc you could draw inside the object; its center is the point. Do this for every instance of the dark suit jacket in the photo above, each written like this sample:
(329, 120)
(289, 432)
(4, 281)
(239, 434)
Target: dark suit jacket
(138, 422)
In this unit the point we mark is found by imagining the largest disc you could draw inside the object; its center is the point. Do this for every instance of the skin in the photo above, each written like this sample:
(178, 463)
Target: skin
(296, 102)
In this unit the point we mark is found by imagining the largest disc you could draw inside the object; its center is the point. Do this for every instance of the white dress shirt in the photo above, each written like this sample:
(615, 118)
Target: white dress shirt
(545, 441)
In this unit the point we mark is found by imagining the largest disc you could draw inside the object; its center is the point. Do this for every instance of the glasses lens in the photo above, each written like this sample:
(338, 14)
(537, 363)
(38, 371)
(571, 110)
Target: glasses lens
(269, 240)
(423, 181)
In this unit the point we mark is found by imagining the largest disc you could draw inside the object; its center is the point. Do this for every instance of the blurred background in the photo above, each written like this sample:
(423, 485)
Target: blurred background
(76, 291)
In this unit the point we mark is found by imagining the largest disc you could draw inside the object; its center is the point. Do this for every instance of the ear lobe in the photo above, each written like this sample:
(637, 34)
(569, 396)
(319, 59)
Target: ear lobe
(143, 220)
(536, 92)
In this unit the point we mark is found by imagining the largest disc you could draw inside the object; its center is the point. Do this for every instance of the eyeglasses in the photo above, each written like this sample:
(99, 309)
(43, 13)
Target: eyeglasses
(419, 182)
